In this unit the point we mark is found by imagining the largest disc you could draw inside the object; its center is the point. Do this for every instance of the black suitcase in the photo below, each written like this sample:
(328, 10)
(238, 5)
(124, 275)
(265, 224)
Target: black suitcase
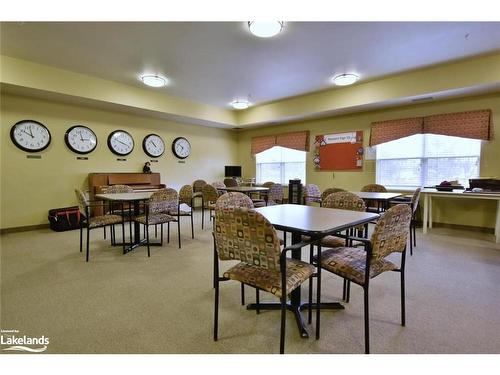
(63, 219)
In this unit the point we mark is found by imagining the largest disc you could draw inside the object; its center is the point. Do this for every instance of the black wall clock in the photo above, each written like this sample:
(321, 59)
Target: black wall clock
(30, 135)
(120, 142)
(181, 147)
(153, 145)
(80, 139)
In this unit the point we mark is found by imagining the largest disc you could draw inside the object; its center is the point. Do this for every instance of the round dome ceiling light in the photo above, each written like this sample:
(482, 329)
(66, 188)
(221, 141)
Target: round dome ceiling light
(240, 104)
(153, 80)
(345, 79)
(265, 29)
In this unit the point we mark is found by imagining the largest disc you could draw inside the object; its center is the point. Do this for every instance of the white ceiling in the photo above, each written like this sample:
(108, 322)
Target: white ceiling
(217, 62)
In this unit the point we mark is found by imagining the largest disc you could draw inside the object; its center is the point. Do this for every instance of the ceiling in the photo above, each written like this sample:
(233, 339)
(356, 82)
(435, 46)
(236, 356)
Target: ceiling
(217, 62)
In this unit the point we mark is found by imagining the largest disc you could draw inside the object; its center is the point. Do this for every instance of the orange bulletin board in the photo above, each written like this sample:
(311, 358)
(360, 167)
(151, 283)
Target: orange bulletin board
(339, 151)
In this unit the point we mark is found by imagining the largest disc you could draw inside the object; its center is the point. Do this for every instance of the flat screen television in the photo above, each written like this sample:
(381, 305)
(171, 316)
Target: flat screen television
(232, 171)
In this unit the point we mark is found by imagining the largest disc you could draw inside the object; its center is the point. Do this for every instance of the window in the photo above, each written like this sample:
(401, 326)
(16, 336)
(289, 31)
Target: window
(281, 164)
(427, 160)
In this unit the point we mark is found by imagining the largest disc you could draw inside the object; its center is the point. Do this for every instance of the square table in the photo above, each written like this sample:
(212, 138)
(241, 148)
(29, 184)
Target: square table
(135, 199)
(382, 198)
(245, 189)
(315, 222)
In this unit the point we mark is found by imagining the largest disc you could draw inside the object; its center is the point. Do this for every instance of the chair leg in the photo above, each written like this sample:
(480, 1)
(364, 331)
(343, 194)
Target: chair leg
(147, 240)
(257, 300)
(216, 312)
(179, 230)
(414, 235)
(348, 291)
(403, 307)
(156, 230)
(318, 299)
(87, 252)
(411, 241)
(123, 236)
(367, 322)
(242, 294)
(283, 321)
(81, 237)
(202, 214)
(104, 232)
(161, 234)
(309, 310)
(192, 225)
(168, 232)
(344, 290)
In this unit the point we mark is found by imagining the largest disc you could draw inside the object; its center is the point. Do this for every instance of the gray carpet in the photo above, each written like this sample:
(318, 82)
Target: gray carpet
(164, 304)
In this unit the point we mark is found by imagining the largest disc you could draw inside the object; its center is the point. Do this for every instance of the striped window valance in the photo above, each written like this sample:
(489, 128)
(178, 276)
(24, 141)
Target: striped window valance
(295, 140)
(470, 124)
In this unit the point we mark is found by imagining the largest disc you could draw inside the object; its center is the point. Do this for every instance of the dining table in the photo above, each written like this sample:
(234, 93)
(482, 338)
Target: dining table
(245, 189)
(382, 198)
(314, 222)
(134, 199)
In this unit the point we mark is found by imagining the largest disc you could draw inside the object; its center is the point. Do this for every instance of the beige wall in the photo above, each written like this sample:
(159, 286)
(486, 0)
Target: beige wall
(471, 212)
(30, 187)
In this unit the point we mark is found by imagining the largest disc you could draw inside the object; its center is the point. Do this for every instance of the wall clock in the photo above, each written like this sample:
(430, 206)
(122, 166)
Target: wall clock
(30, 135)
(153, 145)
(120, 142)
(181, 147)
(80, 139)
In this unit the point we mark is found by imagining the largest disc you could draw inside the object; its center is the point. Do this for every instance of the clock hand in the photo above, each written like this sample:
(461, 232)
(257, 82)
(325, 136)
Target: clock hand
(31, 132)
(24, 131)
(123, 143)
(81, 136)
(153, 144)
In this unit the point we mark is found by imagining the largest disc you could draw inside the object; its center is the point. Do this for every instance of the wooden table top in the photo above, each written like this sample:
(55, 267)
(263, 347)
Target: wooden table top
(313, 220)
(244, 189)
(125, 196)
(375, 195)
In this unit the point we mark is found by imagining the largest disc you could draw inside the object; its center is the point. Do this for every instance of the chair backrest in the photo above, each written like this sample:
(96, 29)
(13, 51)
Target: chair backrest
(186, 194)
(163, 200)
(115, 189)
(209, 193)
(233, 199)
(275, 193)
(244, 234)
(198, 185)
(82, 201)
(268, 184)
(374, 188)
(329, 191)
(391, 231)
(312, 190)
(414, 199)
(218, 184)
(230, 182)
(344, 200)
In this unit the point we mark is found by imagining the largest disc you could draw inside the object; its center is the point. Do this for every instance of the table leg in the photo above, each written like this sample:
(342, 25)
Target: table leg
(430, 212)
(426, 212)
(497, 224)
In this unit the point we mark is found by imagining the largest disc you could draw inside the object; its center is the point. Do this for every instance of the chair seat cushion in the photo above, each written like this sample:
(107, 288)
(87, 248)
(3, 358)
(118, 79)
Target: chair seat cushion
(100, 221)
(350, 263)
(158, 218)
(180, 213)
(197, 194)
(259, 202)
(328, 241)
(313, 198)
(296, 273)
(210, 206)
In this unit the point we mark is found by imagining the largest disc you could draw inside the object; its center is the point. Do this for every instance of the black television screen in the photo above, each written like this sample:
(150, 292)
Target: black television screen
(232, 171)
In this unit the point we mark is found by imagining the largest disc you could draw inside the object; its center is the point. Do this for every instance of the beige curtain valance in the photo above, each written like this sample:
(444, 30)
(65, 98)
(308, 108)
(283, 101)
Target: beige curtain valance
(295, 140)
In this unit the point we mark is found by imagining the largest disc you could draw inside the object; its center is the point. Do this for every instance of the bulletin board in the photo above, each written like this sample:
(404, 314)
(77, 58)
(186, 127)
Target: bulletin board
(339, 151)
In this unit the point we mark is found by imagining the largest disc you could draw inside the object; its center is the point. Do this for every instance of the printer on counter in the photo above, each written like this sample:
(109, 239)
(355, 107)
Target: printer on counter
(484, 185)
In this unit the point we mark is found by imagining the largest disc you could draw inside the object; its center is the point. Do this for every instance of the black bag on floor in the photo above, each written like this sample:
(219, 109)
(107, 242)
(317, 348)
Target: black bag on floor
(63, 219)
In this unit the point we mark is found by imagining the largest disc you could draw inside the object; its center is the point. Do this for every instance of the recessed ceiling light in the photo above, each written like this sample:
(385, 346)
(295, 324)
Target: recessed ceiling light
(240, 104)
(265, 29)
(345, 79)
(153, 80)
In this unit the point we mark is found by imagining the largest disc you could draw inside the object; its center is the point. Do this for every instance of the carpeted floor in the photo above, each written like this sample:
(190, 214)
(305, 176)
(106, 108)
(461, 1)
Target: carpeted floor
(164, 304)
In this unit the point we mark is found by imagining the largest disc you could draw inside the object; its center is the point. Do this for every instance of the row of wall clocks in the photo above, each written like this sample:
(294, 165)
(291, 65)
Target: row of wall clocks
(33, 136)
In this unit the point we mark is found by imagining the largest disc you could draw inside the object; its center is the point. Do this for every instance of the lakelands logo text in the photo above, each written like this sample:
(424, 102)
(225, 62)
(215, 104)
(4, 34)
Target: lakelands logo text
(22, 343)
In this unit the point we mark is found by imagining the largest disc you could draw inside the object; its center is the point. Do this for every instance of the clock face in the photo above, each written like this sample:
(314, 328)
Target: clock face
(120, 142)
(80, 139)
(181, 147)
(30, 136)
(153, 145)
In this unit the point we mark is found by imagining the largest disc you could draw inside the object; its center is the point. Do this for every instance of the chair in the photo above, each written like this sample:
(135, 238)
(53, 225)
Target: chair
(275, 195)
(123, 209)
(374, 188)
(230, 182)
(329, 191)
(210, 196)
(413, 202)
(157, 211)
(359, 265)
(95, 221)
(197, 190)
(312, 194)
(185, 197)
(244, 234)
(260, 199)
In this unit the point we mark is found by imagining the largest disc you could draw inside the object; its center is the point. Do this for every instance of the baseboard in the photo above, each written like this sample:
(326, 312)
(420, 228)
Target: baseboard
(463, 227)
(23, 228)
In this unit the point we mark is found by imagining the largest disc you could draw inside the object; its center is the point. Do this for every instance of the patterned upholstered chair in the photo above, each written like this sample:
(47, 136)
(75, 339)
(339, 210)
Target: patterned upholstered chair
(90, 222)
(186, 198)
(245, 235)
(157, 211)
(260, 199)
(230, 182)
(373, 206)
(329, 191)
(413, 202)
(361, 265)
(123, 209)
(312, 194)
(198, 190)
(210, 195)
(275, 195)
